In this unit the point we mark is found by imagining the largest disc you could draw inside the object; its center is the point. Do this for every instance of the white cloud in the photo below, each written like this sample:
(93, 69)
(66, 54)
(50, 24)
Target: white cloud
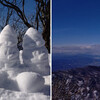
(88, 49)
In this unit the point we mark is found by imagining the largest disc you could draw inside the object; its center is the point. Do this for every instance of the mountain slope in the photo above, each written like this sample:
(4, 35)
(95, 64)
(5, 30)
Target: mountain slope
(77, 84)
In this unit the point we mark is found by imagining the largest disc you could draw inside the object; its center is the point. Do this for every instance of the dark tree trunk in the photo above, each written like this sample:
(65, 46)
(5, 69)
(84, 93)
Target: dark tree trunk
(46, 35)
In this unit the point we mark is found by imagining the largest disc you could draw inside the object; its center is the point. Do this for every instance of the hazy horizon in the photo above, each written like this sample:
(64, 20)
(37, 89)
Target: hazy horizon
(78, 49)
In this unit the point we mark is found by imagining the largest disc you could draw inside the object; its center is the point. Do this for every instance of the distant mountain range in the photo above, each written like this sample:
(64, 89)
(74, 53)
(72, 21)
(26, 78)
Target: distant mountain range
(77, 84)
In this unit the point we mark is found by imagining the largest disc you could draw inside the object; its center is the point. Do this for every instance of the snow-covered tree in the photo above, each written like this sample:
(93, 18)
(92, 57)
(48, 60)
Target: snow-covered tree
(35, 54)
(39, 20)
(9, 54)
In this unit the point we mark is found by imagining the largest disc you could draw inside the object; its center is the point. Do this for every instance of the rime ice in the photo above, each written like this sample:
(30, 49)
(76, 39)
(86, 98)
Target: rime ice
(9, 54)
(35, 55)
(23, 71)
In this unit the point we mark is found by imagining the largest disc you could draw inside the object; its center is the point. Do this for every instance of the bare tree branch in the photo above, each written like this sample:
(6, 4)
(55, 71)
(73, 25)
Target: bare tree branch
(17, 9)
(9, 14)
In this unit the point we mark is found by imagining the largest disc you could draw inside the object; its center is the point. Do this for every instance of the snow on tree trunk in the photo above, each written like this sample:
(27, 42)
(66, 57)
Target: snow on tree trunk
(9, 54)
(35, 54)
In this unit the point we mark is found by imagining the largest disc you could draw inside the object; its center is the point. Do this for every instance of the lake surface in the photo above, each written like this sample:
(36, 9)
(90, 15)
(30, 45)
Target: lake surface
(64, 61)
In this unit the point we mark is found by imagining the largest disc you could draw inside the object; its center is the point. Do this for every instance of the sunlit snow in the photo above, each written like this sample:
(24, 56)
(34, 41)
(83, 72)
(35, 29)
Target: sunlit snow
(24, 75)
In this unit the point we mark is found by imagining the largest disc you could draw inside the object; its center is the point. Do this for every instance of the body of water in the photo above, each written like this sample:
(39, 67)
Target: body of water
(64, 61)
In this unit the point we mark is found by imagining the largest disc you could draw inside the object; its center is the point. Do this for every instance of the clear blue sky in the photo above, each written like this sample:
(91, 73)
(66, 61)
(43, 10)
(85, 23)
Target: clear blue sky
(76, 22)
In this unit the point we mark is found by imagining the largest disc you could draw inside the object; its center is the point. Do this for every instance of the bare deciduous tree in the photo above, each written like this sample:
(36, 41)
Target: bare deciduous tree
(43, 13)
(5, 19)
(20, 12)
(42, 16)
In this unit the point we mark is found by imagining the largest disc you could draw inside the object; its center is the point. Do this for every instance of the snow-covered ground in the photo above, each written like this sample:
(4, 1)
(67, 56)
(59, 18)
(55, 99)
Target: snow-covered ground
(24, 75)
(14, 95)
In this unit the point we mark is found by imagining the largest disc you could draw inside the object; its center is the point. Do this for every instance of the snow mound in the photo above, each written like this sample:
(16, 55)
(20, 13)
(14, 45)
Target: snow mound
(12, 95)
(30, 82)
(6, 82)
